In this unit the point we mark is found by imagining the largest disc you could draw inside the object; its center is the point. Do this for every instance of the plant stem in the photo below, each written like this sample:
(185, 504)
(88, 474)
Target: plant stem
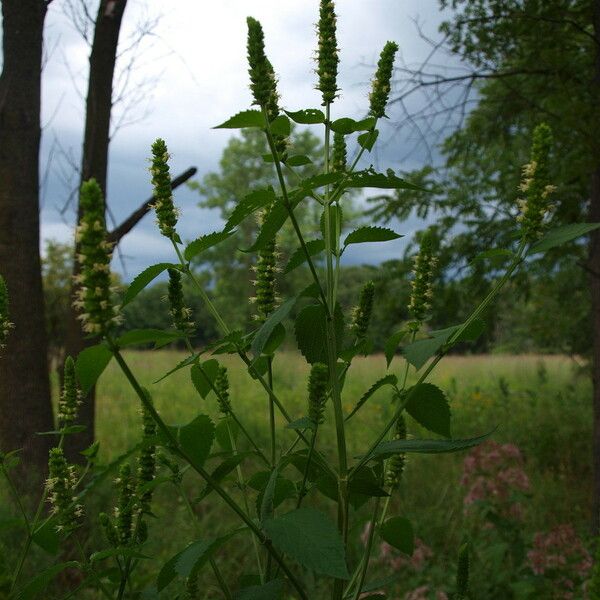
(311, 449)
(367, 555)
(231, 503)
(271, 412)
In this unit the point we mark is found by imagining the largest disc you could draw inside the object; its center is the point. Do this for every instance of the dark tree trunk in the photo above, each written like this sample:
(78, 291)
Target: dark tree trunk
(94, 163)
(594, 269)
(25, 406)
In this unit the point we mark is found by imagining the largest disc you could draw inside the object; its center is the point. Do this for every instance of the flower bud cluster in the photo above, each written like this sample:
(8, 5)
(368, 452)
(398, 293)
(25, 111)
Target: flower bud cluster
(125, 511)
(180, 313)
(361, 316)
(338, 163)
(93, 294)
(222, 388)
(262, 76)
(395, 466)
(70, 399)
(264, 285)
(61, 484)
(146, 464)
(327, 52)
(381, 86)
(536, 186)
(317, 392)
(422, 283)
(5, 324)
(166, 213)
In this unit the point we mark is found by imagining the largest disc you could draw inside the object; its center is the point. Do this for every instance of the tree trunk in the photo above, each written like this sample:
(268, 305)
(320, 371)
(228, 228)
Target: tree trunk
(25, 406)
(594, 268)
(94, 163)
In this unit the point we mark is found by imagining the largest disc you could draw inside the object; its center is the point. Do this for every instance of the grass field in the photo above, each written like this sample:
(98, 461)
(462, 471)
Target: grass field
(540, 404)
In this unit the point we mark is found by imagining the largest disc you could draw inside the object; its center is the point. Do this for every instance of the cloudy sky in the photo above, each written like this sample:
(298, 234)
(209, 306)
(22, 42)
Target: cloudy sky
(195, 57)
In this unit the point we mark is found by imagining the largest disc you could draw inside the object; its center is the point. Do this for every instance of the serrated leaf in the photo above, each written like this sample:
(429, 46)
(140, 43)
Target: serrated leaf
(371, 179)
(321, 180)
(309, 537)
(249, 204)
(365, 124)
(264, 333)
(309, 116)
(302, 423)
(298, 160)
(344, 125)
(367, 140)
(204, 243)
(46, 537)
(398, 532)
(387, 380)
(298, 258)
(38, 583)
(144, 278)
(222, 430)
(204, 378)
(186, 362)
(273, 590)
(246, 118)
(391, 345)
(311, 332)
(281, 126)
(90, 364)
(371, 234)
(428, 406)
(273, 222)
(148, 336)
(562, 235)
(275, 340)
(226, 467)
(387, 449)
(196, 439)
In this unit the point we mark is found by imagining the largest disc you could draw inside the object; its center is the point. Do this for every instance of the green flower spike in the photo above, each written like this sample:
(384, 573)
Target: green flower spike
(166, 213)
(70, 399)
(317, 392)
(60, 484)
(124, 511)
(361, 316)
(264, 285)
(462, 573)
(5, 324)
(180, 314)
(222, 388)
(339, 153)
(396, 463)
(109, 529)
(327, 53)
(93, 295)
(536, 185)
(422, 283)
(381, 86)
(146, 465)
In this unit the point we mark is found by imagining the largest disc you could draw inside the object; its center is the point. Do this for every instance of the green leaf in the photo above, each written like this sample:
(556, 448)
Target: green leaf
(309, 537)
(39, 583)
(226, 467)
(387, 380)
(391, 345)
(186, 362)
(144, 278)
(299, 256)
(398, 532)
(562, 235)
(387, 449)
(298, 160)
(281, 126)
(46, 537)
(110, 552)
(321, 180)
(365, 124)
(367, 140)
(275, 340)
(428, 406)
(148, 336)
(344, 125)
(196, 438)
(302, 423)
(311, 332)
(273, 590)
(249, 204)
(371, 179)
(90, 364)
(336, 218)
(204, 243)
(310, 116)
(371, 234)
(246, 118)
(204, 378)
(264, 333)
(272, 224)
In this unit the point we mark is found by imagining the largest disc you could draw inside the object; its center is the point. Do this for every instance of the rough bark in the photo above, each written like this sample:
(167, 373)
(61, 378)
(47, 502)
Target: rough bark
(25, 406)
(94, 163)
(594, 269)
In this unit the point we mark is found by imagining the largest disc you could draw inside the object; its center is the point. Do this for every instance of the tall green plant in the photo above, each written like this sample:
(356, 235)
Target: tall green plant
(291, 540)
